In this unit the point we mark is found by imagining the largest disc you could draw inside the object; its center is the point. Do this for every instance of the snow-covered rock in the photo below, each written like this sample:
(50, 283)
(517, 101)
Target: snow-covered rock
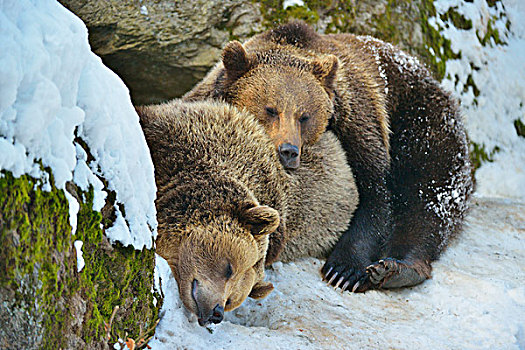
(66, 120)
(54, 90)
(498, 72)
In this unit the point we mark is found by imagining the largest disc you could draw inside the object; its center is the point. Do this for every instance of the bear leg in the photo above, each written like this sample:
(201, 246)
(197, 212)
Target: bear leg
(370, 229)
(357, 248)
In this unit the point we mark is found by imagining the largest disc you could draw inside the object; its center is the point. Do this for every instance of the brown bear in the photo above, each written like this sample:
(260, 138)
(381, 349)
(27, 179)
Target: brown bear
(222, 194)
(402, 134)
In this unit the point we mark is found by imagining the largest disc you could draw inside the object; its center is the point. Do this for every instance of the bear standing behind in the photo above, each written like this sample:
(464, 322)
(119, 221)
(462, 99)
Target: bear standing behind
(402, 134)
(222, 195)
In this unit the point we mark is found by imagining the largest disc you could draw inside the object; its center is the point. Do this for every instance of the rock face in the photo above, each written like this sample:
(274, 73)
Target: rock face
(77, 190)
(46, 303)
(162, 48)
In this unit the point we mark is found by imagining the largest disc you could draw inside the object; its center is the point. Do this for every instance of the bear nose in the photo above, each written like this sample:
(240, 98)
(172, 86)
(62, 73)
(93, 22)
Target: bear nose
(218, 314)
(289, 155)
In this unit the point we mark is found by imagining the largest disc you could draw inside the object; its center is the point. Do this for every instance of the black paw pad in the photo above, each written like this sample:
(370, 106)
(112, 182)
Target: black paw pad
(382, 270)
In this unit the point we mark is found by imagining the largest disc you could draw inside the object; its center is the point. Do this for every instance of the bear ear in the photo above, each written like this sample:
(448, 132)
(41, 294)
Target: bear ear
(261, 290)
(235, 60)
(325, 69)
(261, 219)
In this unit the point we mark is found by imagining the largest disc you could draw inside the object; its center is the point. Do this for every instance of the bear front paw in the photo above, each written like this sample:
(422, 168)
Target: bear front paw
(381, 271)
(395, 273)
(344, 276)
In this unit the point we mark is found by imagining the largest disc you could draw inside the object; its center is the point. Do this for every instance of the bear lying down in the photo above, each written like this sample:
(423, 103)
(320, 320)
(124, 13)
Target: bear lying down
(402, 134)
(226, 207)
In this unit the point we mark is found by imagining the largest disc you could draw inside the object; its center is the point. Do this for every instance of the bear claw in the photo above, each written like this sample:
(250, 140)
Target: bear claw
(333, 277)
(343, 288)
(325, 276)
(350, 279)
(341, 279)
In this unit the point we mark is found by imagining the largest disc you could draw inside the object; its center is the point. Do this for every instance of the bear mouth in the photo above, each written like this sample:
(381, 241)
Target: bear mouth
(194, 288)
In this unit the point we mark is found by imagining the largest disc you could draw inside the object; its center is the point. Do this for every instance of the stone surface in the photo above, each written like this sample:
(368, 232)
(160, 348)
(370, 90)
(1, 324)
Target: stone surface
(162, 48)
(45, 303)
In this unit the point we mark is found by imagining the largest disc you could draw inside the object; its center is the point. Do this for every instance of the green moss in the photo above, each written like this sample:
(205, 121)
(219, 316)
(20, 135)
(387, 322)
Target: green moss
(491, 33)
(479, 155)
(520, 127)
(113, 275)
(437, 49)
(385, 24)
(34, 231)
(470, 82)
(274, 14)
(389, 25)
(441, 46)
(457, 19)
(38, 263)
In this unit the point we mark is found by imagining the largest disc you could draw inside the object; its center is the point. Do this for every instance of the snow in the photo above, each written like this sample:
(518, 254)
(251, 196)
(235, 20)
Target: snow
(498, 72)
(290, 3)
(55, 89)
(84, 177)
(74, 207)
(80, 259)
(475, 300)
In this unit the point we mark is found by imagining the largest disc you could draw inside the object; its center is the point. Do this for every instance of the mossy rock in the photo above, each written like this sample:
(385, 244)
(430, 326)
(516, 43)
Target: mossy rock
(46, 303)
(400, 22)
(161, 49)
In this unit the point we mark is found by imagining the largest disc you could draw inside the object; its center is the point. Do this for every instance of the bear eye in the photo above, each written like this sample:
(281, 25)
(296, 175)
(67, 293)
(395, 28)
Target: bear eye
(304, 118)
(229, 271)
(272, 112)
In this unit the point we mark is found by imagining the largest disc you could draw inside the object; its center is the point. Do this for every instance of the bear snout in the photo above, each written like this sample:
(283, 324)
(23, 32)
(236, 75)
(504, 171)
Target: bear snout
(216, 316)
(205, 313)
(289, 155)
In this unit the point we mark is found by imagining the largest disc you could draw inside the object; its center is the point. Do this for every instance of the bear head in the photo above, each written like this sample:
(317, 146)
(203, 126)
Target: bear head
(291, 96)
(218, 264)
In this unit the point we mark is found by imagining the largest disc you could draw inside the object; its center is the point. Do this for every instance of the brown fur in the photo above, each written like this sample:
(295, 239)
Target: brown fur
(322, 193)
(219, 181)
(402, 135)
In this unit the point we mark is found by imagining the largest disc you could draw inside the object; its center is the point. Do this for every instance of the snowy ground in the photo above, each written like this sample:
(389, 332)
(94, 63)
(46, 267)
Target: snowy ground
(475, 300)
